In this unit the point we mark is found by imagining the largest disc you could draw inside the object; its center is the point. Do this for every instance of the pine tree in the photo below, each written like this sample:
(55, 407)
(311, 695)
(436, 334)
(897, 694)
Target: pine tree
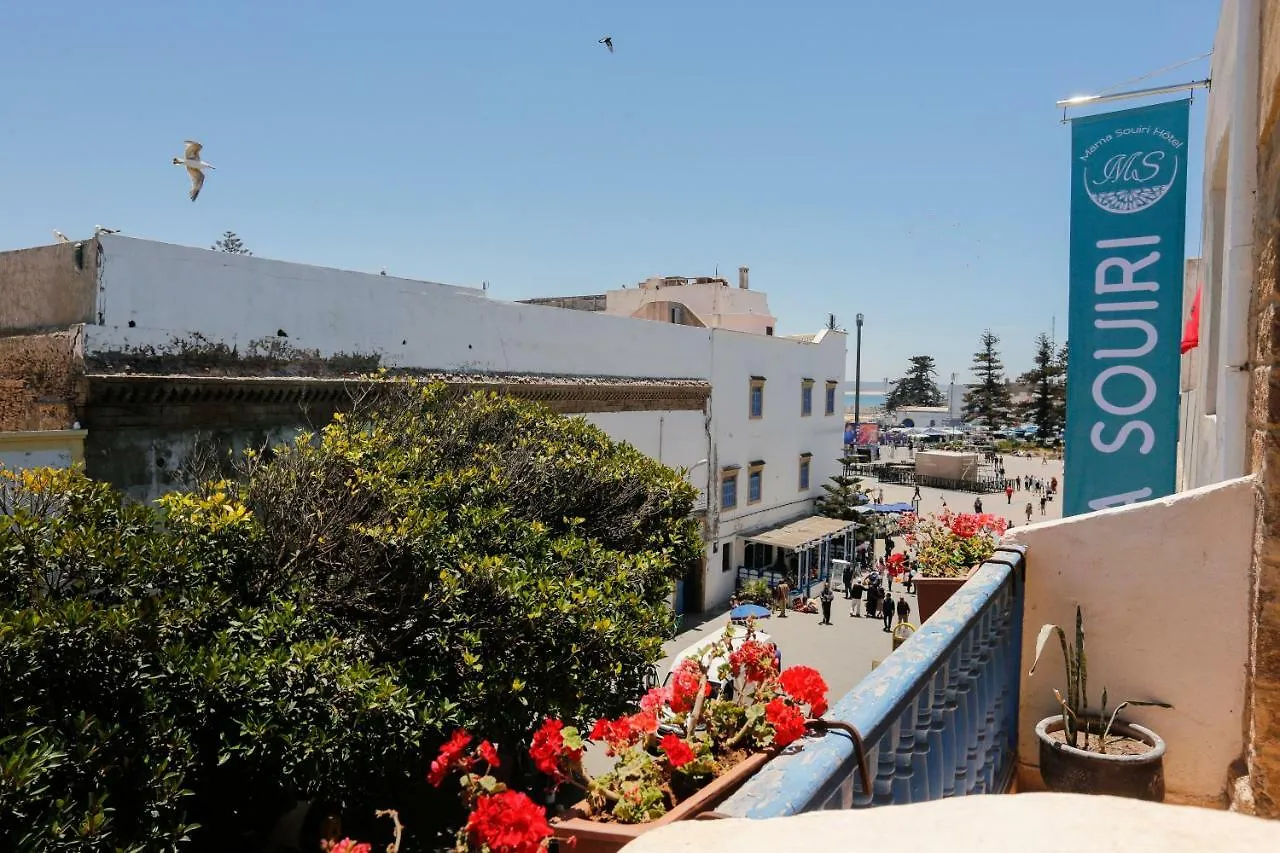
(1047, 406)
(231, 244)
(917, 388)
(989, 400)
(844, 492)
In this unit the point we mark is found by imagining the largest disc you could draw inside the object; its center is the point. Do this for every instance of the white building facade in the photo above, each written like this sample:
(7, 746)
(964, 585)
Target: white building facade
(1216, 374)
(759, 448)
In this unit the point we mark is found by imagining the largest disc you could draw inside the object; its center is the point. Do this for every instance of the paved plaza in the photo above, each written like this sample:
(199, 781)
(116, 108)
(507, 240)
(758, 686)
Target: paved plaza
(845, 651)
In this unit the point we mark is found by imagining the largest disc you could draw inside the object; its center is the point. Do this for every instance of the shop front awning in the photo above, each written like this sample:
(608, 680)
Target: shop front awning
(803, 533)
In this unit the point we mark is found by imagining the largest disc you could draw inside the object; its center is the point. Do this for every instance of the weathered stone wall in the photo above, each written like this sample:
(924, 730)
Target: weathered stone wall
(39, 380)
(49, 287)
(1264, 734)
(152, 434)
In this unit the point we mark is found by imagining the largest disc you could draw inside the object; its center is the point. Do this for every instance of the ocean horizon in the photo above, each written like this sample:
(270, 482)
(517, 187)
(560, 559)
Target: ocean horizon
(868, 399)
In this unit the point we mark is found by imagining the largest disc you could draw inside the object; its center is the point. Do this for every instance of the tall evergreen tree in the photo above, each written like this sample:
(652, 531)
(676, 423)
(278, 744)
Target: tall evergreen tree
(917, 388)
(1047, 406)
(844, 493)
(988, 400)
(231, 244)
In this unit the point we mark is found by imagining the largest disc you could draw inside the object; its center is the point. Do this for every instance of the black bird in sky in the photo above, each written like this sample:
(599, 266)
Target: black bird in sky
(607, 41)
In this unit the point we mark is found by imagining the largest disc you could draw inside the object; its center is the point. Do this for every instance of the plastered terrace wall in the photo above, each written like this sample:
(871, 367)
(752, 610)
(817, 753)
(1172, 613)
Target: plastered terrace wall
(181, 299)
(1164, 587)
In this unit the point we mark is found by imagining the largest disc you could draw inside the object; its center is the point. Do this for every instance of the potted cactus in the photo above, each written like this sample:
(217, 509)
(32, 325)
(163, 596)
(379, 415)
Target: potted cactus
(1087, 752)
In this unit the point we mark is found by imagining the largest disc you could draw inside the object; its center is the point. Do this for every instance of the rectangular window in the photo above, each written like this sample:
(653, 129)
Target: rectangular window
(806, 397)
(757, 397)
(831, 397)
(755, 483)
(729, 489)
(804, 471)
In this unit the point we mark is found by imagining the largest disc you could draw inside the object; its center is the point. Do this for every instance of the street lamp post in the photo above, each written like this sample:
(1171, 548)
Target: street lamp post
(857, 383)
(951, 407)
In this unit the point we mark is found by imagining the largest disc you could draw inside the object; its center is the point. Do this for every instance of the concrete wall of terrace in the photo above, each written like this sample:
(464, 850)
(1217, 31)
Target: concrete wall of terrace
(1164, 588)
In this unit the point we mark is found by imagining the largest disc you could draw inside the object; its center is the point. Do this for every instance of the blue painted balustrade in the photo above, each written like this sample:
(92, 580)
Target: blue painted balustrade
(939, 717)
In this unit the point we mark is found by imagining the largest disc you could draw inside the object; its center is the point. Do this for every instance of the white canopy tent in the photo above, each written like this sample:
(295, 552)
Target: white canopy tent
(810, 539)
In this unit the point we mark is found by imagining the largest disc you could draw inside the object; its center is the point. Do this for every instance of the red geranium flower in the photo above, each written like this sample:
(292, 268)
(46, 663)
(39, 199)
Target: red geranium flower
(655, 699)
(818, 709)
(450, 757)
(754, 660)
(786, 719)
(644, 722)
(618, 734)
(548, 750)
(678, 752)
(685, 679)
(508, 822)
(489, 753)
(346, 845)
(805, 685)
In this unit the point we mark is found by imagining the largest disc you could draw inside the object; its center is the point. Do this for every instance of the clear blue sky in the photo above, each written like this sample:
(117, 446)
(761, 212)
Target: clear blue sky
(902, 159)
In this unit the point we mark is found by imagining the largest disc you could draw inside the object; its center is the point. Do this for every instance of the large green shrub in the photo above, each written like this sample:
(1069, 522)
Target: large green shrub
(512, 561)
(311, 629)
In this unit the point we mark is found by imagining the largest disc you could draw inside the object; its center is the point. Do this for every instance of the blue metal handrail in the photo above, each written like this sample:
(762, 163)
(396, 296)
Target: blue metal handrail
(939, 717)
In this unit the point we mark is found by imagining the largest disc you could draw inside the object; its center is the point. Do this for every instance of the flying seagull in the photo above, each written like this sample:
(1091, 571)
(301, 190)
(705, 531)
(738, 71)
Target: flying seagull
(62, 238)
(607, 41)
(195, 166)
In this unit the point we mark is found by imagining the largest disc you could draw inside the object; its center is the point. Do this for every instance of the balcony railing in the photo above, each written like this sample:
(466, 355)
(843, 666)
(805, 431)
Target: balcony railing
(939, 717)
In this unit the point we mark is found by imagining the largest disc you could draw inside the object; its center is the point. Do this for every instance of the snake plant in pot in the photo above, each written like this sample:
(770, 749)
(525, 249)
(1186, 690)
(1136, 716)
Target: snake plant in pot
(1084, 751)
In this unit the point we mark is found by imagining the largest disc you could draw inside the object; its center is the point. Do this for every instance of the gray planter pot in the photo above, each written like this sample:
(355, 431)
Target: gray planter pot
(1070, 770)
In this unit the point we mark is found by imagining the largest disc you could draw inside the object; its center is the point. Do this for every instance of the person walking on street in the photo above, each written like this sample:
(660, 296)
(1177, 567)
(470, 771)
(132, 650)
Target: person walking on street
(1029, 512)
(1043, 501)
(886, 608)
(1008, 493)
(847, 578)
(826, 598)
(855, 609)
(784, 596)
(977, 505)
(904, 609)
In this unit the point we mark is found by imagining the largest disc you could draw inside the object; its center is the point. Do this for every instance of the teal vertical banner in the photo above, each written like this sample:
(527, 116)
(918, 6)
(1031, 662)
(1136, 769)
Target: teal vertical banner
(1128, 221)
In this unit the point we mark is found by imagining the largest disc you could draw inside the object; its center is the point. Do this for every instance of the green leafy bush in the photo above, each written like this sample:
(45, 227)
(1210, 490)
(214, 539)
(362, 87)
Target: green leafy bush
(178, 676)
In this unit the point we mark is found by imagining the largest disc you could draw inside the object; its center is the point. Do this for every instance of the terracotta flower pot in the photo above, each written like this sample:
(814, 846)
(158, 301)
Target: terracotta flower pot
(593, 836)
(1070, 770)
(932, 593)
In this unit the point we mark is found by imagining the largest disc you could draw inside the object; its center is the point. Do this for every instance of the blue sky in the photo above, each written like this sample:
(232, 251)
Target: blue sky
(903, 160)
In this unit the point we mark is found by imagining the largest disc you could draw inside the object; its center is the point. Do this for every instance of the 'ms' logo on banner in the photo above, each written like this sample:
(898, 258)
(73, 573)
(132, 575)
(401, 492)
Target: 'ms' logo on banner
(1131, 168)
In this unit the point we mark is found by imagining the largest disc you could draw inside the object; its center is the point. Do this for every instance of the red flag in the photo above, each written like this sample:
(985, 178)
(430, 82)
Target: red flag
(1191, 334)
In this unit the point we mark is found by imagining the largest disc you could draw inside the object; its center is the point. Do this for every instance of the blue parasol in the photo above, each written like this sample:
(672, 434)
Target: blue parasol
(743, 612)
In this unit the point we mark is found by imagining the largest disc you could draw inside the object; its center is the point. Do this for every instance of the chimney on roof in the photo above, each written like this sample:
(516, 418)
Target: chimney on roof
(743, 273)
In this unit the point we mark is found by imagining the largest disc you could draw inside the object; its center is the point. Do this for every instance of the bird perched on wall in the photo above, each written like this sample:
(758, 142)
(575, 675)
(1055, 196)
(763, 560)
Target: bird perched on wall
(607, 41)
(98, 229)
(195, 166)
(60, 237)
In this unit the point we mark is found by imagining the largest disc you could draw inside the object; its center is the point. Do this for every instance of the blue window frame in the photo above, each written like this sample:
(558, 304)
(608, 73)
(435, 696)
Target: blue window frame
(806, 399)
(804, 474)
(728, 490)
(755, 486)
(757, 398)
(831, 398)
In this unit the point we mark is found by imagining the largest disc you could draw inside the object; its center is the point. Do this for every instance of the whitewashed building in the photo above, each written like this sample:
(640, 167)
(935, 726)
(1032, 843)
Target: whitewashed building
(151, 346)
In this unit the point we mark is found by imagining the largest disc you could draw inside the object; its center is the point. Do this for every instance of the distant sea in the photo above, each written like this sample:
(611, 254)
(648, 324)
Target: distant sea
(870, 400)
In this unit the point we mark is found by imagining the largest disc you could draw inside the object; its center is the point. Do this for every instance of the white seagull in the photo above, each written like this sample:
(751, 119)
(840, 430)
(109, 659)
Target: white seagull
(62, 238)
(98, 229)
(195, 166)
